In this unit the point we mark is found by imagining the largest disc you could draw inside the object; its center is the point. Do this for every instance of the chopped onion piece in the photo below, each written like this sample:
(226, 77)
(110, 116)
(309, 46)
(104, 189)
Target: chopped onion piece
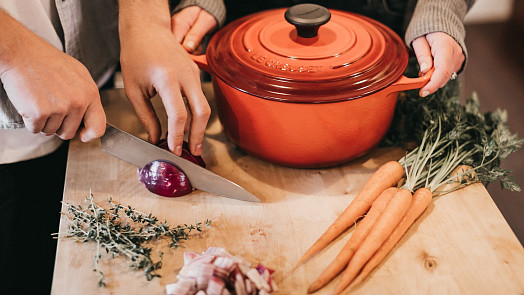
(215, 286)
(216, 271)
(188, 256)
(240, 286)
(183, 286)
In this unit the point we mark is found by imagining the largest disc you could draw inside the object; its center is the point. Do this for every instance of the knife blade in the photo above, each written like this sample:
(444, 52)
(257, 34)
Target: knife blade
(139, 152)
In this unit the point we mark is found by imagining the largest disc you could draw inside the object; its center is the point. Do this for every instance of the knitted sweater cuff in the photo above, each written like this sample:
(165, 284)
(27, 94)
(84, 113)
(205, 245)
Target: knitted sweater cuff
(439, 16)
(215, 7)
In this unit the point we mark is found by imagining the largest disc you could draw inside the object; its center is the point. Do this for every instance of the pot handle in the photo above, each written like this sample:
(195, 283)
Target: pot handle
(201, 61)
(405, 83)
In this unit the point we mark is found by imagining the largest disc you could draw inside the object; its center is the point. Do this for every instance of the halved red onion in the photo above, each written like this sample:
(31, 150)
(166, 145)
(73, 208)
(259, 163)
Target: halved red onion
(163, 178)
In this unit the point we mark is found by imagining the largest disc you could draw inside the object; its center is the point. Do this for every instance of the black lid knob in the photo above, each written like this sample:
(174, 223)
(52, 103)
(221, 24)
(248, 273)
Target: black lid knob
(307, 18)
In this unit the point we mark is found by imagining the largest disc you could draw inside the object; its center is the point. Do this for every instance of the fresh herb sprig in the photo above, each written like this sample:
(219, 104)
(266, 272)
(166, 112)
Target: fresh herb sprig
(124, 231)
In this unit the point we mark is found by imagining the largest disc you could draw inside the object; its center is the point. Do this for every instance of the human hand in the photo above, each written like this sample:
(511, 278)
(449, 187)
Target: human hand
(190, 25)
(53, 92)
(441, 51)
(154, 62)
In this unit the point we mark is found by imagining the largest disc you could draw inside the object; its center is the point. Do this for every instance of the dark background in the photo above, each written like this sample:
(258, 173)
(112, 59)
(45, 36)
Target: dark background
(495, 71)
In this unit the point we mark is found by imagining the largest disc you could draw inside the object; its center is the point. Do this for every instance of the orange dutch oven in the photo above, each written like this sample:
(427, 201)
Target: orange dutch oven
(307, 87)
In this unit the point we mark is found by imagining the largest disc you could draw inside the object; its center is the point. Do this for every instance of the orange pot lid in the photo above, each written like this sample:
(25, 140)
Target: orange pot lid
(307, 53)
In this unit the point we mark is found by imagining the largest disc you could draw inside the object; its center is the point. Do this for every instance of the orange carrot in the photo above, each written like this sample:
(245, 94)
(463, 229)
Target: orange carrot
(387, 175)
(420, 202)
(363, 228)
(386, 223)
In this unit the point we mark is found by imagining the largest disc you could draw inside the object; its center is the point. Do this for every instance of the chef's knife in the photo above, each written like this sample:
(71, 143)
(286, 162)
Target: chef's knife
(139, 152)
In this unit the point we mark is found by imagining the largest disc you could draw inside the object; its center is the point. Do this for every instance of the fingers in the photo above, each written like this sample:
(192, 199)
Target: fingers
(145, 112)
(423, 53)
(190, 25)
(425, 61)
(182, 21)
(70, 120)
(176, 115)
(35, 125)
(441, 75)
(204, 24)
(447, 58)
(63, 121)
(53, 124)
(200, 113)
(69, 126)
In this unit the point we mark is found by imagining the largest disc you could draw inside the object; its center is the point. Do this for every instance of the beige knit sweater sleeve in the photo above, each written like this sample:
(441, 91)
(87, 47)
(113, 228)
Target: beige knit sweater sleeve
(439, 16)
(216, 8)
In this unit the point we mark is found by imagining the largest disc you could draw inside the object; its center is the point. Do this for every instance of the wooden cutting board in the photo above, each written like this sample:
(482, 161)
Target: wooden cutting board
(461, 245)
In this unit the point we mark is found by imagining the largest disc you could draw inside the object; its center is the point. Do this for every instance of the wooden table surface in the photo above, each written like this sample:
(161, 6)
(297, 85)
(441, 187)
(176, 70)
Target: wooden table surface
(461, 245)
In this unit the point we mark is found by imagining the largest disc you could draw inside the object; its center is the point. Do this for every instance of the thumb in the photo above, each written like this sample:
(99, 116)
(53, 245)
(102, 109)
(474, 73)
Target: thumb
(204, 24)
(182, 21)
(94, 122)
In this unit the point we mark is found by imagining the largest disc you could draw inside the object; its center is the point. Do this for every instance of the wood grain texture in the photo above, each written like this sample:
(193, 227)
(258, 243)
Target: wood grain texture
(461, 245)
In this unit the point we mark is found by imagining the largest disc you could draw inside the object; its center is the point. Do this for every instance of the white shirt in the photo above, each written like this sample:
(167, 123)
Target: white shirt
(41, 17)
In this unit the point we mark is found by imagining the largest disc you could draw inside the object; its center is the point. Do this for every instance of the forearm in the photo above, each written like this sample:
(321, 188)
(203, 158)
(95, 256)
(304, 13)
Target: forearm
(439, 16)
(11, 40)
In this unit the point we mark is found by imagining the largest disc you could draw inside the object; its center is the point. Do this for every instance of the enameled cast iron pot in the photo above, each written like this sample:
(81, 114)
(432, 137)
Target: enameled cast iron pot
(307, 87)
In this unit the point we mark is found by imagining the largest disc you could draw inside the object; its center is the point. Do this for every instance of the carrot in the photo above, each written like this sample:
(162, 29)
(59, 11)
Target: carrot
(363, 228)
(387, 175)
(388, 220)
(420, 202)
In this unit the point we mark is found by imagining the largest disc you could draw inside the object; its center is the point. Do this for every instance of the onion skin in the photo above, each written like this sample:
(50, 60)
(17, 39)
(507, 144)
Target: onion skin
(163, 178)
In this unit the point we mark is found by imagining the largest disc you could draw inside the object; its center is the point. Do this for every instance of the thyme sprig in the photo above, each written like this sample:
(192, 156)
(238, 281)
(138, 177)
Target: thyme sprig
(124, 231)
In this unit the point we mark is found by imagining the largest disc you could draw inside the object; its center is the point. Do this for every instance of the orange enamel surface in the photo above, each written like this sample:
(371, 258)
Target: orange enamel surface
(352, 56)
(304, 135)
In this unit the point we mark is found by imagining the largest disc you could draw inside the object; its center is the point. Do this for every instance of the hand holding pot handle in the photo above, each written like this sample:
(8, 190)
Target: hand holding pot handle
(440, 51)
